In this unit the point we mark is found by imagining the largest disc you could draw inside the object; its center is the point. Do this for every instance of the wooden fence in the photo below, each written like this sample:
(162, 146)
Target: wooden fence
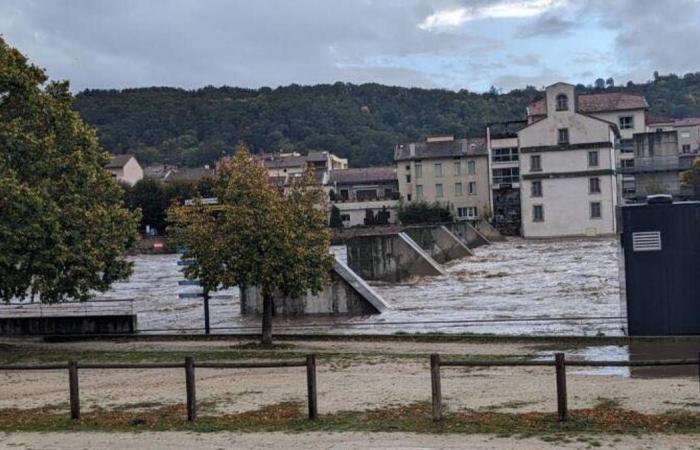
(559, 364)
(189, 365)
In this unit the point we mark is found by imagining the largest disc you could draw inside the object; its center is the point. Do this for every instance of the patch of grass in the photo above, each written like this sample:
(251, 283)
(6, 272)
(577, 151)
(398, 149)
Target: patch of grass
(416, 417)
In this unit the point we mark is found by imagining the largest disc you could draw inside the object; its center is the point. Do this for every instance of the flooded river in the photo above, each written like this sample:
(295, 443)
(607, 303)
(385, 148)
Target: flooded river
(517, 280)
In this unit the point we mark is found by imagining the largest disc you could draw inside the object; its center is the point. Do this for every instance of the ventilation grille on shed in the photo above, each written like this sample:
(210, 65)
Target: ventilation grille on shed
(646, 241)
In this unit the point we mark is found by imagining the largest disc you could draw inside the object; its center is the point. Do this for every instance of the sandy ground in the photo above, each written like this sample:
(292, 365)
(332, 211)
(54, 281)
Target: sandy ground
(329, 441)
(354, 383)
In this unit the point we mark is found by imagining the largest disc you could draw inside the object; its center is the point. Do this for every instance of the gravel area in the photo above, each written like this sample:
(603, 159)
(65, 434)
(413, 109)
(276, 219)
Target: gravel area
(331, 441)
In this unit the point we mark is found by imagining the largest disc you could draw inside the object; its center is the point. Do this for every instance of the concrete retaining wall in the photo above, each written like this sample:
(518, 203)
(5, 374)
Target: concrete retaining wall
(347, 294)
(101, 324)
(440, 243)
(390, 257)
(469, 235)
(488, 230)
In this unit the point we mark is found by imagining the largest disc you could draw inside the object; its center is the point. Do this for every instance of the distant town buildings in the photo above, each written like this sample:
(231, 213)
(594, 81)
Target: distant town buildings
(364, 195)
(125, 169)
(454, 172)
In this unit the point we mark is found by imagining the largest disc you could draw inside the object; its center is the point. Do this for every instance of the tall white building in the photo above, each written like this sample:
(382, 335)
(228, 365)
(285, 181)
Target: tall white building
(567, 169)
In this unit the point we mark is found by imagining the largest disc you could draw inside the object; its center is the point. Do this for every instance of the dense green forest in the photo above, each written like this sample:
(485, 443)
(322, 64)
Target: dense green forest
(360, 122)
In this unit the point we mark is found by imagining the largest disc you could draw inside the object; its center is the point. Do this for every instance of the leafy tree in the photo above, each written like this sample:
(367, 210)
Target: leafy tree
(64, 229)
(422, 212)
(148, 195)
(691, 178)
(335, 220)
(257, 236)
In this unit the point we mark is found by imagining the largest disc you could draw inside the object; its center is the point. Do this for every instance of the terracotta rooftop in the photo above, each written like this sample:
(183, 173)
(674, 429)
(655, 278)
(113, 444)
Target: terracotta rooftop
(364, 175)
(442, 149)
(597, 102)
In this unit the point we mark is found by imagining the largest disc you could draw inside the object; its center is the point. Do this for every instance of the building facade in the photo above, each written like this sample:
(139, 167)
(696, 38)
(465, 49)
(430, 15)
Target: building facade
(452, 172)
(125, 169)
(365, 196)
(567, 170)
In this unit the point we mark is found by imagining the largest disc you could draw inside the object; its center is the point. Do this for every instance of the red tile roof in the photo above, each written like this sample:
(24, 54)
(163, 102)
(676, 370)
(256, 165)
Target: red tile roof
(601, 102)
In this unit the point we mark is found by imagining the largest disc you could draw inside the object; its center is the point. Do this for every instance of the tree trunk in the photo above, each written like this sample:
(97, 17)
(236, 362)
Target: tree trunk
(267, 319)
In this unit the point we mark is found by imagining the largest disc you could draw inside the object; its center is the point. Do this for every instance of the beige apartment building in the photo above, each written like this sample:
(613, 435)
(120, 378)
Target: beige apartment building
(568, 170)
(449, 171)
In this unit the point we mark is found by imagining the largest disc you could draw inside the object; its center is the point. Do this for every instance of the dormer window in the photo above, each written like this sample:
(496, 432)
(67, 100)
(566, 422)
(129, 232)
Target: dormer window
(562, 102)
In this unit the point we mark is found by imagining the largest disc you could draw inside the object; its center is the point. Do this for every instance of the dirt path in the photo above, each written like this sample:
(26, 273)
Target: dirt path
(376, 375)
(331, 441)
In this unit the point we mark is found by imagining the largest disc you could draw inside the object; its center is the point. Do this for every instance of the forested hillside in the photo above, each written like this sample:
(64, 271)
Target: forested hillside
(361, 122)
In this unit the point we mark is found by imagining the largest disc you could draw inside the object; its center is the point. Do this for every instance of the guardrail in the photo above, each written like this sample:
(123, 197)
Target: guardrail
(559, 364)
(189, 366)
(90, 308)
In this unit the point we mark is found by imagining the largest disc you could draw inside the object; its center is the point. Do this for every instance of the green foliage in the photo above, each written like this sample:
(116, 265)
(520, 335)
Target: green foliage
(422, 212)
(63, 227)
(335, 221)
(257, 236)
(360, 122)
(153, 197)
(691, 177)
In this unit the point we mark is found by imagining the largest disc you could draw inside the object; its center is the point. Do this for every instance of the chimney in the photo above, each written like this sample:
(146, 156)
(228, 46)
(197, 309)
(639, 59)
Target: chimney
(412, 149)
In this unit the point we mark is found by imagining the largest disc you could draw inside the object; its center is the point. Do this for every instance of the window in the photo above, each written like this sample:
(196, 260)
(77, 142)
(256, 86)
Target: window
(457, 168)
(595, 210)
(627, 163)
(535, 163)
(471, 188)
(345, 217)
(562, 102)
(593, 159)
(469, 212)
(438, 190)
(537, 213)
(626, 122)
(458, 189)
(408, 197)
(594, 185)
(563, 136)
(505, 154)
(419, 170)
(685, 148)
(408, 178)
(685, 135)
(419, 191)
(408, 168)
(344, 194)
(437, 169)
(471, 167)
(506, 175)
(536, 189)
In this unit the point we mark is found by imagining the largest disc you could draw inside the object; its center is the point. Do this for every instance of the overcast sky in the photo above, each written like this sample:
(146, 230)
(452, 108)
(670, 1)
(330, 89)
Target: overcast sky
(453, 44)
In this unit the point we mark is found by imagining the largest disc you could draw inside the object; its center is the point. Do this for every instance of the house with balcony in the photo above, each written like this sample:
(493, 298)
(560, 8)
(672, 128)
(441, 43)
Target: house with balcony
(365, 195)
(660, 157)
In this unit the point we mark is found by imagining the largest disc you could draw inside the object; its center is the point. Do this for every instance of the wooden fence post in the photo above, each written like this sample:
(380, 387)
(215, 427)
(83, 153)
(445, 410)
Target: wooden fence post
(311, 386)
(435, 386)
(74, 390)
(560, 365)
(189, 385)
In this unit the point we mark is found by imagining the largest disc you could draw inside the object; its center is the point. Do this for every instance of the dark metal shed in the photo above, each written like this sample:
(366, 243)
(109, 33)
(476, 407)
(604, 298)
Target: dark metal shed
(661, 245)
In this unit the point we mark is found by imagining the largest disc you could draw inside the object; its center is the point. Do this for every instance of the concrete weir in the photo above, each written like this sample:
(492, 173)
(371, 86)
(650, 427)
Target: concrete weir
(468, 234)
(488, 231)
(439, 242)
(390, 257)
(347, 294)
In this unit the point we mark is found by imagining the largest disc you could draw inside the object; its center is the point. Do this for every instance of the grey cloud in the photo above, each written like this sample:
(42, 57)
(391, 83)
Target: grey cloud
(547, 25)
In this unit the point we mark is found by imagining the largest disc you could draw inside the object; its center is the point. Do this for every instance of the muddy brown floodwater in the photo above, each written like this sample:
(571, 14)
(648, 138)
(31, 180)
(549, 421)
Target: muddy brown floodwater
(513, 280)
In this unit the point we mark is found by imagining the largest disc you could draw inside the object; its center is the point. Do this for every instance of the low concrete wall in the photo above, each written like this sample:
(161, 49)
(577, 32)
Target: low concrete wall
(439, 242)
(347, 294)
(488, 230)
(468, 234)
(390, 257)
(99, 324)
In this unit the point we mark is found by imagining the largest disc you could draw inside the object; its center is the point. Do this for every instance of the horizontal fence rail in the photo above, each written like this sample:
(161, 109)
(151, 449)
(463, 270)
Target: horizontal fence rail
(559, 363)
(189, 365)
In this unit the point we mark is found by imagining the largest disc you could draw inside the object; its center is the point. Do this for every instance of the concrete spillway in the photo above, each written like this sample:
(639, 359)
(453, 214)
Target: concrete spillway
(346, 294)
(440, 243)
(390, 257)
(471, 237)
